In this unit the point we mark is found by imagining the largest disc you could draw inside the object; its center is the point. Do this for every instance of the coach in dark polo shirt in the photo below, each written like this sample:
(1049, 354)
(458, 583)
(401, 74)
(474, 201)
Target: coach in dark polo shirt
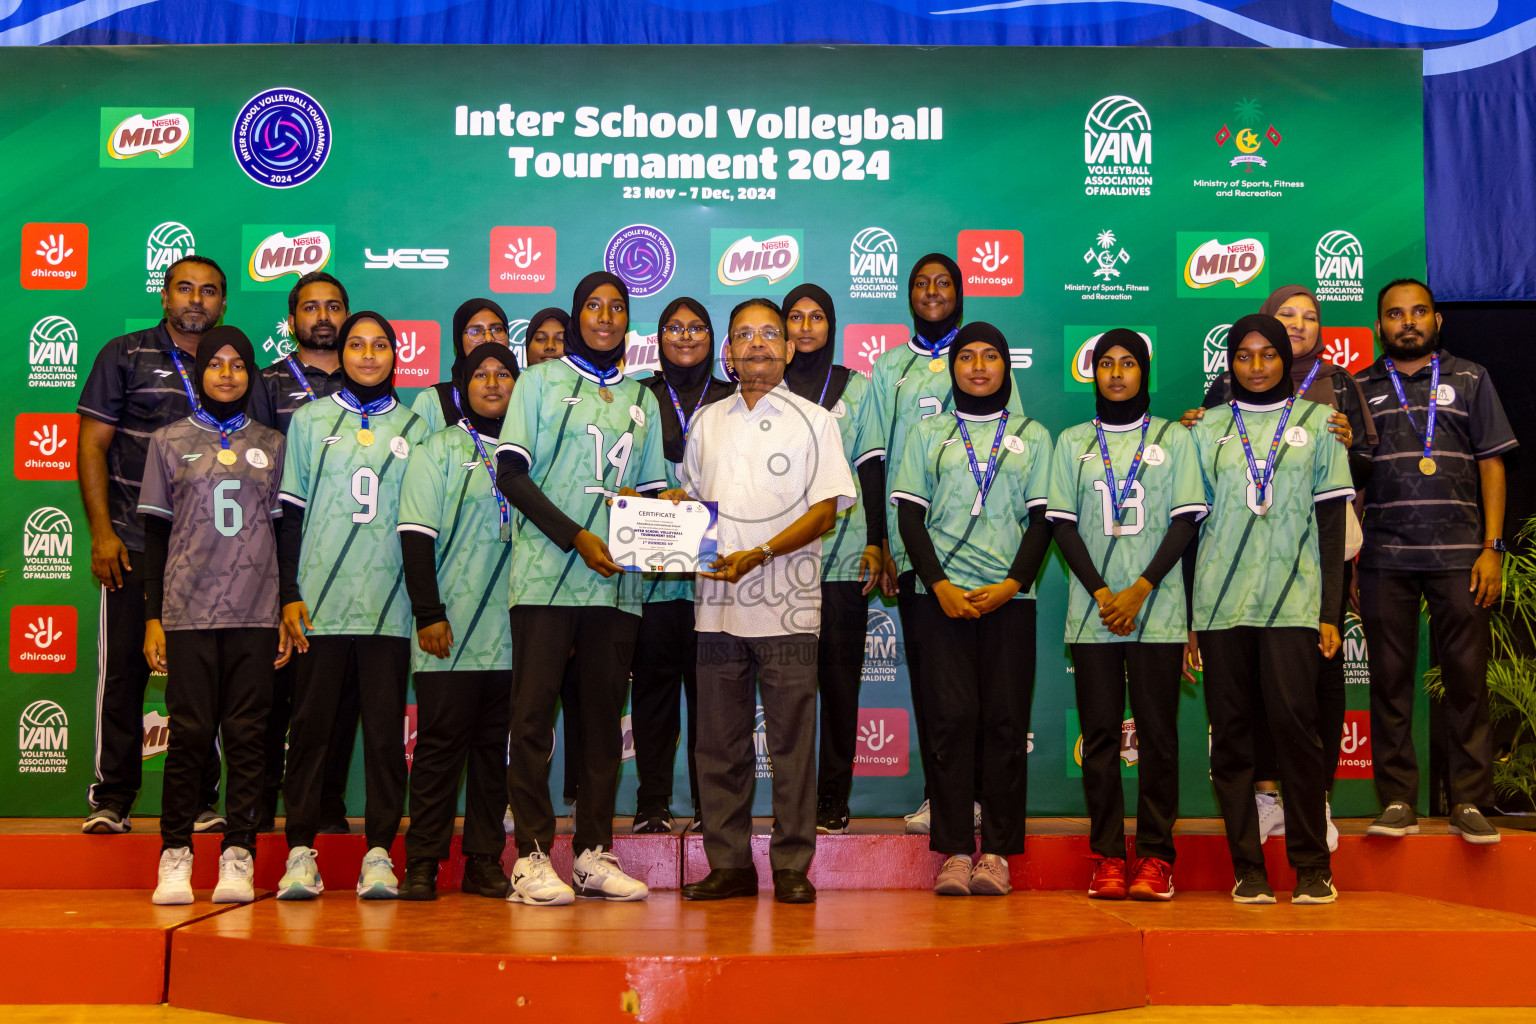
(1434, 526)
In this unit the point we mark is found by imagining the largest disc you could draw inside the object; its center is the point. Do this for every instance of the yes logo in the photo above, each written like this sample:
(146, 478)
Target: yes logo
(133, 138)
(54, 256)
(864, 343)
(417, 354)
(43, 638)
(46, 444)
(992, 262)
(1215, 269)
(884, 742)
(523, 259)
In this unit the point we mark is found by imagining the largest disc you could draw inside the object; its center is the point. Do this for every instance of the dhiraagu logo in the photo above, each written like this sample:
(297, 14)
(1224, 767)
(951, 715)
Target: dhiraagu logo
(156, 138)
(1077, 355)
(1216, 265)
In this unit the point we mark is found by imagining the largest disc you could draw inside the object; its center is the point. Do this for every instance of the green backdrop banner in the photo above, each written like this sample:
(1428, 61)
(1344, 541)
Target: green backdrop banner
(1079, 189)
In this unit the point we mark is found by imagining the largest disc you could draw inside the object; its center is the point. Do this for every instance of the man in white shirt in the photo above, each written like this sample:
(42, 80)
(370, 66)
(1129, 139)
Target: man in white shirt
(774, 462)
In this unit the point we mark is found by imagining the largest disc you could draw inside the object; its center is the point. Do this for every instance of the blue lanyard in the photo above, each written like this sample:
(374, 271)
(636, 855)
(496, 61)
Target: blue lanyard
(826, 384)
(1434, 400)
(938, 346)
(983, 482)
(298, 374)
(225, 428)
(1118, 500)
(687, 421)
(1262, 484)
(186, 378)
(456, 403)
(373, 408)
(485, 460)
(601, 375)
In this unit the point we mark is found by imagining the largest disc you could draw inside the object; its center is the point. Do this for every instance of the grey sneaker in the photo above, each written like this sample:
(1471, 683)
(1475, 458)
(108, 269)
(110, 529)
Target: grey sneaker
(1313, 886)
(1252, 886)
(1396, 821)
(1468, 822)
(107, 821)
(209, 821)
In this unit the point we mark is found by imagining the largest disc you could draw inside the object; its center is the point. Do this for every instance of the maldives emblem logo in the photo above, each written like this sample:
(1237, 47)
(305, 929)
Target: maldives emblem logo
(281, 138)
(1249, 115)
(1107, 254)
(128, 133)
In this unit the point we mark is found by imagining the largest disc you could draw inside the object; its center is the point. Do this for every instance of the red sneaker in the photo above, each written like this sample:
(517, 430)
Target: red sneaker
(1108, 879)
(1153, 881)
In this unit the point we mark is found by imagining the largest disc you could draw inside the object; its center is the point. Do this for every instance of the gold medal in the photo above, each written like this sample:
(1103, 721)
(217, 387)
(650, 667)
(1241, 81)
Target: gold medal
(1115, 530)
(605, 394)
(935, 365)
(226, 457)
(1427, 466)
(365, 437)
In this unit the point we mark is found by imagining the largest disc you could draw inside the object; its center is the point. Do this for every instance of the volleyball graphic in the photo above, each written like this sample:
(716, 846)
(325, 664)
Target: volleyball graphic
(1339, 243)
(54, 328)
(1117, 114)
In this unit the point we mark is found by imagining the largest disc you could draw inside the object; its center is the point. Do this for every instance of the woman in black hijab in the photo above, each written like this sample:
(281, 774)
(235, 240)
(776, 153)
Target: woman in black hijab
(665, 652)
(545, 337)
(1125, 498)
(475, 322)
(974, 484)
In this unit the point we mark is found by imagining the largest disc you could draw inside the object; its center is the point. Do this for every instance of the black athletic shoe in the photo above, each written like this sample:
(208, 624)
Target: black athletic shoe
(1314, 885)
(1468, 822)
(657, 822)
(697, 824)
(483, 876)
(338, 827)
(420, 879)
(1252, 886)
(831, 817)
(1396, 821)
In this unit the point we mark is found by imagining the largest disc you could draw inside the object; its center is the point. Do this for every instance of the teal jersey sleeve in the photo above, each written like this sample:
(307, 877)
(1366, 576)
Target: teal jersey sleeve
(430, 410)
(1331, 477)
(843, 546)
(448, 495)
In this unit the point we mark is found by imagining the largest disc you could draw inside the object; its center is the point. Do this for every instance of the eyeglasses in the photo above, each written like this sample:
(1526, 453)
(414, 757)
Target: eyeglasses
(698, 332)
(477, 332)
(746, 334)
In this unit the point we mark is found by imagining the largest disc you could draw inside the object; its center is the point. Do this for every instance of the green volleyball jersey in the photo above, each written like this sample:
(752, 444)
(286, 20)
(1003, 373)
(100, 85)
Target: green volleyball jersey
(909, 385)
(843, 545)
(976, 547)
(448, 495)
(430, 408)
(1264, 569)
(349, 563)
(580, 450)
(1167, 484)
(667, 586)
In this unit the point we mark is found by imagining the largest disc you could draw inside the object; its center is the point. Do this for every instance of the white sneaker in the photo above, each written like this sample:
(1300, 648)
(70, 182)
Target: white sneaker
(174, 886)
(1271, 814)
(919, 821)
(377, 880)
(597, 875)
(1333, 830)
(301, 878)
(506, 821)
(534, 882)
(236, 867)
(976, 816)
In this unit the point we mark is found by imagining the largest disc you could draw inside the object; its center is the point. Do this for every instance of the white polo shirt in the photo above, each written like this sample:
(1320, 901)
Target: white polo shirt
(765, 467)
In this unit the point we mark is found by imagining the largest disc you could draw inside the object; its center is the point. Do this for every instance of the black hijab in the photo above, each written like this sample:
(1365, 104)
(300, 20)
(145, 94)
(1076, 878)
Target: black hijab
(479, 354)
(809, 372)
(461, 318)
(933, 332)
(208, 346)
(1275, 333)
(365, 393)
(559, 316)
(577, 345)
(981, 405)
(687, 381)
(1132, 409)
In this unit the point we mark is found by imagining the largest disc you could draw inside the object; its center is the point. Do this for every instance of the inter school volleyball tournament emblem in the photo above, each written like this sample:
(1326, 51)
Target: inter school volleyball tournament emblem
(281, 138)
(642, 257)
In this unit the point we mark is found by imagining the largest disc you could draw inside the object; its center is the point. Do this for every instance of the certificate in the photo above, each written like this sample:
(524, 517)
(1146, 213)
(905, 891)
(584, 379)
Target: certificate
(654, 535)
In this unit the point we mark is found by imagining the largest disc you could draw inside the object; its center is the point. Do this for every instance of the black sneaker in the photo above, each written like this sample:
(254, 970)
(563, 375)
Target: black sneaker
(831, 817)
(697, 824)
(420, 881)
(483, 876)
(106, 821)
(209, 821)
(336, 827)
(658, 822)
(1396, 821)
(1314, 885)
(1468, 822)
(1252, 886)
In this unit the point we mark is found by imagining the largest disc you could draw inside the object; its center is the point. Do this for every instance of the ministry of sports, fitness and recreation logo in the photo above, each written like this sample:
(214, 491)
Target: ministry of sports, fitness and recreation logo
(47, 545)
(872, 265)
(642, 257)
(1339, 262)
(43, 739)
(1213, 352)
(281, 138)
(1117, 148)
(1077, 355)
(43, 637)
(1109, 259)
(167, 243)
(760, 257)
(883, 742)
(1214, 268)
(277, 250)
(53, 353)
(133, 137)
(1247, 140)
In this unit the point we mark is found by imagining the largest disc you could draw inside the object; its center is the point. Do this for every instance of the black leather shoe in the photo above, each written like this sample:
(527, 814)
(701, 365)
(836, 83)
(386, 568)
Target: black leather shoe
(483, 876)
(722, 884)
(420, 879)
(791, 886)
(656, 822)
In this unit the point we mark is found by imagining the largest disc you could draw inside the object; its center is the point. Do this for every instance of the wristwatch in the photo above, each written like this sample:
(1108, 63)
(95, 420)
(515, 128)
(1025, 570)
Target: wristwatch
(767, 553)
(1497, 544)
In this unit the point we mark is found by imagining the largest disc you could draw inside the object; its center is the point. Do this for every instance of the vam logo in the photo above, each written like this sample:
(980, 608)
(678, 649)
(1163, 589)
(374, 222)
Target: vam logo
(517, 341)
(1212, 264)
(276, 252)
(741, 260)
(46, 443)
(1117, 148)
(884, 742)
(872, 269)
(133, 138)
(764, 759)
(43, 638)
(43, 739)
(882, 647)
(1339, 262)
(53, 352)
(167, 243)
(1078, 343)
(1356, 669)
(47, 545)
(1214, 353)
(418, 343)
(406, 259)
